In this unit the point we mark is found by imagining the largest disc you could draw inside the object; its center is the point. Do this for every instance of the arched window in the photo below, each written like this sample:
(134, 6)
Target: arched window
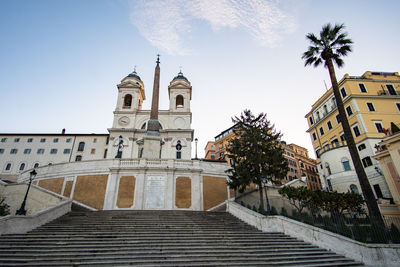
(179, 101)
(78, 158)
(328, 168)
(326, 109)
(22, 166)
(178, 150)
(127, 101)
(346, 164)
(8, 166)
(354, 189)
(318, 116)
(36, 165)
(81, 146)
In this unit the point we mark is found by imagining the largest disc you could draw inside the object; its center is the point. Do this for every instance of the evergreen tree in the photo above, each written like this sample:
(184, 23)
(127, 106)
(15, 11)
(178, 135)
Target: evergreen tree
(255, 153)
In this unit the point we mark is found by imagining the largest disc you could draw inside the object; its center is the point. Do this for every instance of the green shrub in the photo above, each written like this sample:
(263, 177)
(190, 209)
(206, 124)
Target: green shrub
(274, 211)
(284, 212)
(395, 234)
(4, 208)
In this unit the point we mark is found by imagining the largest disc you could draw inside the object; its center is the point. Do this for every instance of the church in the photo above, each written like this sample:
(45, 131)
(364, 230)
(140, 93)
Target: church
(144, 162)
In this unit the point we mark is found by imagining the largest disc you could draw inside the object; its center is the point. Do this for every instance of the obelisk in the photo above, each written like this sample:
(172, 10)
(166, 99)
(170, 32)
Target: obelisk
(152, 139)
(153, 126)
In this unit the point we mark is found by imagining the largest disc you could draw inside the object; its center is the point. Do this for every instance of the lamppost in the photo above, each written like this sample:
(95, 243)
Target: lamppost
(264, 180)
(195, 141)
(22, 210)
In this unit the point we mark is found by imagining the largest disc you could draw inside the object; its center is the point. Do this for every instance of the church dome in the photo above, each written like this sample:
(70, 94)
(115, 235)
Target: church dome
(180, 76)
(134, 75)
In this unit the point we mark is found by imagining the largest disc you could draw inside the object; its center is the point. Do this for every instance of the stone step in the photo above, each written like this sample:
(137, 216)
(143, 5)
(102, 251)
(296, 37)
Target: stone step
(110, 251)
(158, 238)
(193, 258)
(140, 234)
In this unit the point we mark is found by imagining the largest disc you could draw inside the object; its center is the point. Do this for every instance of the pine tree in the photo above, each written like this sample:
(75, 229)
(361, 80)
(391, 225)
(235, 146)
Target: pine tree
(255, 153)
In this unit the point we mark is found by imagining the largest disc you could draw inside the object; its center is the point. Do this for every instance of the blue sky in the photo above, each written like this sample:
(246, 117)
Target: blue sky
(60, 61)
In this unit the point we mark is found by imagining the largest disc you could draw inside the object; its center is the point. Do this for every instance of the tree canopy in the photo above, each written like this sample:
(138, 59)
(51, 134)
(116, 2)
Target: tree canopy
(255, 152)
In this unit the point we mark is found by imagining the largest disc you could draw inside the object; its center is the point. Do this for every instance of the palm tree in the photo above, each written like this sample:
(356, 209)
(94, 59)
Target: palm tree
(330, 47)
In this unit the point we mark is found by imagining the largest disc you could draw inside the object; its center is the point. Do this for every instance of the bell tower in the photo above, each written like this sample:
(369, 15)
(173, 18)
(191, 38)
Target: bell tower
(130, 99)
(180, 94)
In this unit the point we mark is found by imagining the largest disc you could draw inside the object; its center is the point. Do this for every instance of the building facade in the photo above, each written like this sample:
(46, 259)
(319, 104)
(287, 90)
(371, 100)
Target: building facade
(300, 165)
(143, 162)
(371, 102)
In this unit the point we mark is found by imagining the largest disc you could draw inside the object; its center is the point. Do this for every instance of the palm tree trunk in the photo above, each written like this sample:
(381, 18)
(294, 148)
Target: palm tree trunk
(260, 190)
(369, 197)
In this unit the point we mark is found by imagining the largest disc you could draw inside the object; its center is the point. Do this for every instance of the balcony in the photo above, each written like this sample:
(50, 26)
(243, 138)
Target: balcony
(330, 147)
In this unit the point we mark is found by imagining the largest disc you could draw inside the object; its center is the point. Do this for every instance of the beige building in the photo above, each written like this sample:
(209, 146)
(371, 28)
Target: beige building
(372, 102)
(300, 165)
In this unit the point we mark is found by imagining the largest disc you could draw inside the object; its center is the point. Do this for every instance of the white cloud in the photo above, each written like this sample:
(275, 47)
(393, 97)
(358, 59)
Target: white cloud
(165, 23)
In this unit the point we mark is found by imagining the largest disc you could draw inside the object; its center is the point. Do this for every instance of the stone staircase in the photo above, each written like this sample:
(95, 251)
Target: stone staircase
(158, 238)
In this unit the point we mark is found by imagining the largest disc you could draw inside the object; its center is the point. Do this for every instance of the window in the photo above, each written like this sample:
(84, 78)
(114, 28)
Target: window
(78, 158)
(349, 111)
(354, 189)
(143, 126)
(361, 147)
(40, 151)
(107, 140)
(370, 107)
(14, 151)
(127, 101)
(8, 166)
(53, 151)
(321, 130)
(16, 140)
(178, 149)
(92, 151)
(55, 140)
(36, 165)
(334, 142)
(314, 136)
(81, 146)
(326, 109)
(318, 116)
(68, 140)
(105, 153)
(30, 140)
(346, 164)
(356, 131)
(338, 118)
(212, 147)
(342, 138)
(379, 127)
(22, 166)
(212, 156)
(329, 125)
(1, 150)
(4, 139)
(42, 140)
(328, 168)
(67, 151)
(398, 106)
(179, 101)
(362, 88)
(391, 89)
(378, 191)
(94, 140)
(367, 162)
(343, 92)
(311, 121)
(27, 151)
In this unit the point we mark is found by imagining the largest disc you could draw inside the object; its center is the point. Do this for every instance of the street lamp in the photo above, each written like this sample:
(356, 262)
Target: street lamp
(22, 210)
(195, 141)
(264, 180)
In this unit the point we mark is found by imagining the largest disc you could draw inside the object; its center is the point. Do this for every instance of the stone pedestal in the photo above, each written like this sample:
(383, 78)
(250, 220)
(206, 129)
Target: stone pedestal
(151, 147)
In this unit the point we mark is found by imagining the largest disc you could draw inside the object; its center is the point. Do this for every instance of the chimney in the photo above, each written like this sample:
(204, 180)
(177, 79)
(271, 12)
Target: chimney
(63, 131)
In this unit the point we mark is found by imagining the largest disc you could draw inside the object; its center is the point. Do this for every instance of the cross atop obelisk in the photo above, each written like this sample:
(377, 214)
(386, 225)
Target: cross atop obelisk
(153, 125)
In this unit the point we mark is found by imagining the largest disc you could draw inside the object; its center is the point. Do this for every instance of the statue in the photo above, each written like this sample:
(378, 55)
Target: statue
(120, 147)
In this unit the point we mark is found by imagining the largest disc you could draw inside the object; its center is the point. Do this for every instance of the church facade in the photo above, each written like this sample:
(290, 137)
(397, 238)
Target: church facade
(144, 162)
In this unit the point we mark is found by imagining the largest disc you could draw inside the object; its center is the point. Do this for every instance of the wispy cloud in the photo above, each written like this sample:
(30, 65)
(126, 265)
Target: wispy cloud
(166, 23)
